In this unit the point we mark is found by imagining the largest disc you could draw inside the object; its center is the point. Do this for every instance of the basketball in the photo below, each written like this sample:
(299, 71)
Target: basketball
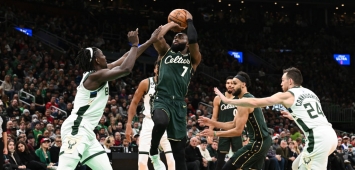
(178, 16)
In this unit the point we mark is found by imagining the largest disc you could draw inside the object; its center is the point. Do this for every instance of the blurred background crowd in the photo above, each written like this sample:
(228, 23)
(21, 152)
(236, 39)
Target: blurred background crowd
(39, 76)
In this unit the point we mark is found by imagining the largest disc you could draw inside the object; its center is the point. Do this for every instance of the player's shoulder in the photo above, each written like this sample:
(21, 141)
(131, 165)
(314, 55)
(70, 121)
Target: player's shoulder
(216, 100)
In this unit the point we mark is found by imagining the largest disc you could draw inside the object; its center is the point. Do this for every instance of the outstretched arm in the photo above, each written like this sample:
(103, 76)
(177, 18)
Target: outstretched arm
(140, 50)
(205, 121)
(193, 45)
(278, 98)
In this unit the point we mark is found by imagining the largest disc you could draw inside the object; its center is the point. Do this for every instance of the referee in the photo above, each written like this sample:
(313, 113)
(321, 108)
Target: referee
(3, 140)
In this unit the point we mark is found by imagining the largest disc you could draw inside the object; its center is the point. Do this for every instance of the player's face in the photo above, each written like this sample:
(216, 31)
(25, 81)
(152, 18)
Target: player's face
(230, 86)
(101, 59)
(179, 42)
(237, 86)
(285, 82)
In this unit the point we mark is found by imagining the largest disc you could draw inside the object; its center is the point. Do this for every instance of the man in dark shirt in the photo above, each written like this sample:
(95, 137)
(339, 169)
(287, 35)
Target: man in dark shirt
(193, 155)
(212, 149)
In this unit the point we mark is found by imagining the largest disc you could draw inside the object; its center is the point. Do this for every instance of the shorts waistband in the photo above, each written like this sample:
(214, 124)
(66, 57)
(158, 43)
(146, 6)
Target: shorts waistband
(170, 97)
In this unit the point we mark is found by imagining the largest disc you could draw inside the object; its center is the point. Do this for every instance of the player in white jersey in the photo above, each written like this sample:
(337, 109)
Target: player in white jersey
(79, 140)
(305, 109)
(146, 90)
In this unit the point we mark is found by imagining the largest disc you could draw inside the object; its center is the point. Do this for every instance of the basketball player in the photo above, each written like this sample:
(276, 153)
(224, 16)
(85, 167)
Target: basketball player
(79, 140)
(176, 67)
(225, 113)
(146, 90)
(305, 109)
(252, 155)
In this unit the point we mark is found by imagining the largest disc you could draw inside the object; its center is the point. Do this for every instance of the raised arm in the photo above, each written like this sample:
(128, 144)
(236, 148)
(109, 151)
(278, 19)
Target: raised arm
(141, 90)
(161, 46)
(285, 98)
(141, 49)
(193, 45)
(96, 79)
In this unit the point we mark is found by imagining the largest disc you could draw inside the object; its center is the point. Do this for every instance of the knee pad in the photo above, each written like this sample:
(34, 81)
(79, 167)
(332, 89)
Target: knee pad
(160, 118)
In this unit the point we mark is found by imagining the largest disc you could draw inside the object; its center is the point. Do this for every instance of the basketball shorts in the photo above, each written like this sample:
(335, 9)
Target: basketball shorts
(224, 144)
(252, 155)
(145, 137)
(320, 143)
(176, 109)
(83, 145)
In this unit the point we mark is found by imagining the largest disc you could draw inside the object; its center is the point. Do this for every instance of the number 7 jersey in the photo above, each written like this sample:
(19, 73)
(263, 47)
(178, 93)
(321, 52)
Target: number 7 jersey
(306, 109)
(174, 74)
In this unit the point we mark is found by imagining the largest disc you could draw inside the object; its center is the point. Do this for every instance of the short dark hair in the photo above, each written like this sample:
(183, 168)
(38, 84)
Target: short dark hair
(246, 76)
(229, 77)
(294, 74)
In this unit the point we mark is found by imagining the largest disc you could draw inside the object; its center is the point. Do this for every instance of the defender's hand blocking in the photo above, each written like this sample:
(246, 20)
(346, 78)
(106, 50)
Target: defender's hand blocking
(133, 37)
(207, 132)
(155, 34)
(286, 114)
(204, 121)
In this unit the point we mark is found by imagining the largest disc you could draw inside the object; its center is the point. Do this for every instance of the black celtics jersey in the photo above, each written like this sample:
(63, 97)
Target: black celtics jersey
(226, 112)
(256, 126)
(174, 76)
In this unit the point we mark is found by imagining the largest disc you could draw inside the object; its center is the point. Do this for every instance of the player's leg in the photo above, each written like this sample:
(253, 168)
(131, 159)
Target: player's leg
(178, 148)
(164, 142)
(296, 162)
(145, 138)
(95, 157)
(223, 149)
(161, 122)
(70, 151)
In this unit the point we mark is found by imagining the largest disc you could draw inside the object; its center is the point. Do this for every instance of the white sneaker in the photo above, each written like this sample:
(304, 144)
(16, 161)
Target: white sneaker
(157, 163)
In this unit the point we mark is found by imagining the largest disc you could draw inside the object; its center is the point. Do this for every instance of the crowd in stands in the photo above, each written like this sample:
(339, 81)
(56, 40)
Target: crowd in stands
(28, 69)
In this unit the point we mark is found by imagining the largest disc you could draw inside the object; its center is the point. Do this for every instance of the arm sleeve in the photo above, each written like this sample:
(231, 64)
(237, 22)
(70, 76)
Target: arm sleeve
(191, 32)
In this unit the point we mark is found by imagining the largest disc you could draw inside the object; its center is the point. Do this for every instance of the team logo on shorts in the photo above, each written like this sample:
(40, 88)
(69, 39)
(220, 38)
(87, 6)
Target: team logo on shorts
(307, 161)
(71, 144)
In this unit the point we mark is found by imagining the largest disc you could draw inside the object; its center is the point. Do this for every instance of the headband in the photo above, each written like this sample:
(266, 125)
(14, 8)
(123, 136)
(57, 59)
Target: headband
(91, 52)
(241, 78)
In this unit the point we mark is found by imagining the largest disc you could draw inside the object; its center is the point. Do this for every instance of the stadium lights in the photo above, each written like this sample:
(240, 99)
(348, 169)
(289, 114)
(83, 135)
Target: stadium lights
(275, 3)
(297, 4)
(336, 8)
(242, 2)
(229, 4)
(342, 4)
(344, 13)
(282, 6)
(219, 0)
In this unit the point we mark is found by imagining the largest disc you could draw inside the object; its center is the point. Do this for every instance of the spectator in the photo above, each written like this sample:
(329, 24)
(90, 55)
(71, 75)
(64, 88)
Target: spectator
(55, 149)
(28, 157)
(212, 149)
(283, 152)
(205, 154)
(15, 160)
(109, 142)
(43, 153)
(117, 139)
(8, 87)
(194, 159)
(13, 110)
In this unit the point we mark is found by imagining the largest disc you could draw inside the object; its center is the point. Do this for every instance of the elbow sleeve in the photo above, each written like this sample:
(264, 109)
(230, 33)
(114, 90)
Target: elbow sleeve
(191, 32)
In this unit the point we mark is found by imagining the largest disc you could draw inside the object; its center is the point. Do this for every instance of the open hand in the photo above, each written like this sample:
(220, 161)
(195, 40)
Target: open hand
(204, 121)
(207, 132)
(155, 35)
(286, 114)
(217, 92)
(133, 37)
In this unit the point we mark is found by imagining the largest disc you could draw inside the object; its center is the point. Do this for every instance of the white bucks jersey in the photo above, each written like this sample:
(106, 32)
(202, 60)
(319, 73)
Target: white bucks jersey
(148, 97)
(307, 110)
(89, 105)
